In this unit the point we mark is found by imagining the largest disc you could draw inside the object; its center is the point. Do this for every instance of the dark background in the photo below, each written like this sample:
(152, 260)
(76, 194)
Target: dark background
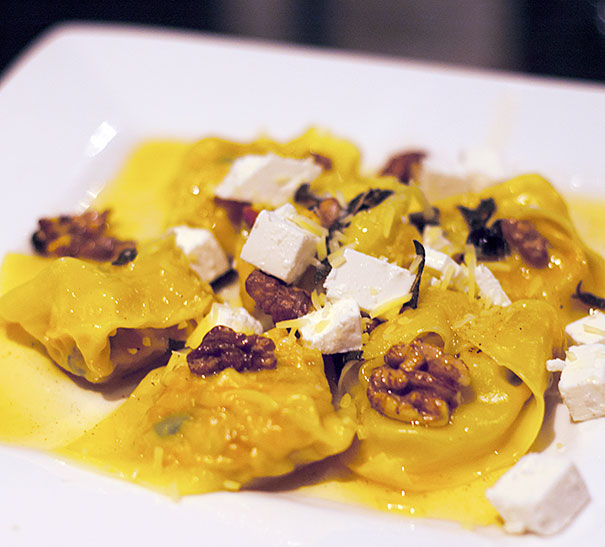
(547, 37)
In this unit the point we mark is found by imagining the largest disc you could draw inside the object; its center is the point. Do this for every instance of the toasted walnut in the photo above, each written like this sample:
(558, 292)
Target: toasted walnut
(323, 161)
(532, 245)
(224, 348)
(82, 236)
(329, 212)
(249, 215)
(274, 297)
(419, 383)
(405, 166)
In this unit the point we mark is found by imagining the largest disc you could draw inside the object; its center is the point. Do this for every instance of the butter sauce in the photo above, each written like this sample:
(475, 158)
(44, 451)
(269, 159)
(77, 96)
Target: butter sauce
(43, 407)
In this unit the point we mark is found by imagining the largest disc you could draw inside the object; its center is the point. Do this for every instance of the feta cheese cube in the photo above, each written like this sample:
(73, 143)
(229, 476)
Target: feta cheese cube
(367, 280)
(266, 179)
(206, 256)
(582, 382)
(490, 289)
(441, 265)
(541, 493)
(587, 330)
(236, 318)
(555, 365)
(279, 247)
(336, 328)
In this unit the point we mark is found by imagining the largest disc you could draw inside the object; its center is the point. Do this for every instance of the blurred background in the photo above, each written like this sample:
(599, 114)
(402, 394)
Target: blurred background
(546, 37)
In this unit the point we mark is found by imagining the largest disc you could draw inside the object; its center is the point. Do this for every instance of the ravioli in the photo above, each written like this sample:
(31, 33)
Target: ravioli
(504, 349)
(184, 433)
(99, 321)
(188, 434)
(570, 261)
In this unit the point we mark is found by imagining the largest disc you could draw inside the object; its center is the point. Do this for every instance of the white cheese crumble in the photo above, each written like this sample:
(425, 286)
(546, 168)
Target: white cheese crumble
(367, 280)
(278, 246)
(454, 275)
(335, 328)
(239, 319)
(268, 179)
(541, 493)
(587, 330)
(204, 253)
(582, 382)
(490, 289)
(445, 268)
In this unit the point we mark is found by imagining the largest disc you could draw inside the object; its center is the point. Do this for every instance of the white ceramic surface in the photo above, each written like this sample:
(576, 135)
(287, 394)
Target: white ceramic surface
(74, 106)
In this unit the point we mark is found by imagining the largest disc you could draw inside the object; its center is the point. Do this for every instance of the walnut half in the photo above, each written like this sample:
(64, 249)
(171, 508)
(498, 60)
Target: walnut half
(273, 296)
(419, 383)
(82, 236)
(531, 244)
(222, 348)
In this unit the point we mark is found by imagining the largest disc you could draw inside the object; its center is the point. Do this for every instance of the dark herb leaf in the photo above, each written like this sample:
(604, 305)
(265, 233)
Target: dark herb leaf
(305, 197)
(420, 220)
(170, 425)
(480, 215)
(588, 298)
(367, 200)
(126, 256)
(322, 273)
(413, 302)
(489, 243)
(175, 345)
(339, 360)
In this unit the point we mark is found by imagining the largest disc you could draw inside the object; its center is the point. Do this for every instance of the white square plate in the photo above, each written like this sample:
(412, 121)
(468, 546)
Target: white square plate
(74, 106)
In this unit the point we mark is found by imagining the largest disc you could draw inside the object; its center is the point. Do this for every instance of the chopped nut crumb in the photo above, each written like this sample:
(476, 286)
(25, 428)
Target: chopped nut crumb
(329, 211)
(405, 166)
(323, 161)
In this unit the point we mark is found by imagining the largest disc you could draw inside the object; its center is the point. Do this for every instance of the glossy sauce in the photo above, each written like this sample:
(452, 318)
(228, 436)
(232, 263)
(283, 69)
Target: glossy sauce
(41, 406)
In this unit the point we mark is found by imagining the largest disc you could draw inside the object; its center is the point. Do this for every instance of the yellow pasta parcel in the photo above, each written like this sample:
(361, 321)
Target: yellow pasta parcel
(501, 409)
(99, 321)
(185, 434)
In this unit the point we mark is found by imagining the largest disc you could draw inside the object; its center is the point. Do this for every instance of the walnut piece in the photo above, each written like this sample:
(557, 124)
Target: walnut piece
(329, 212)
(323, 161)
(405, 166)
(249, 215)
(82, 236)
(274, 297)
(223, 348)
(532, 245)
(419, 383)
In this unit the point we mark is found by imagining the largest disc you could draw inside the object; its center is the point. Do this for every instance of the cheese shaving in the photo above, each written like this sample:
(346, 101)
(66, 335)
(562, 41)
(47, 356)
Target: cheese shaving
(594, 330)
(447, 276)
(315, 300)
(466, 319)
(289, 324)
(322, 251)
(470, 259)
(383, 309)
(415, 263)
